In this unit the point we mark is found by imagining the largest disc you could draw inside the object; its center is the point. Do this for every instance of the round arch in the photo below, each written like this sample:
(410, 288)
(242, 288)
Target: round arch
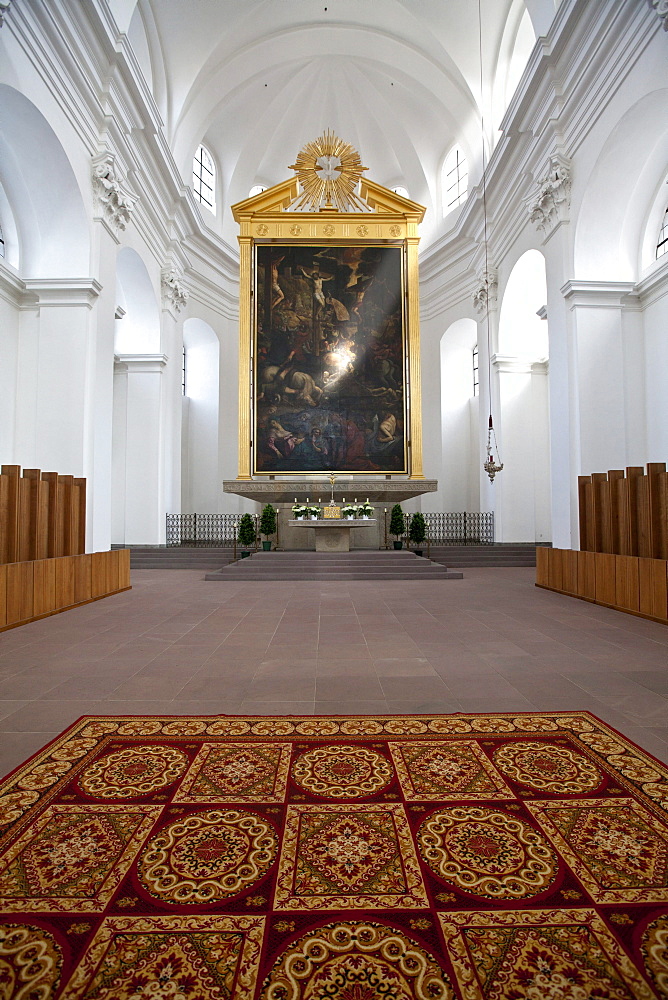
(138, 331)
(42, 191)
(619, 191)
(522, 333)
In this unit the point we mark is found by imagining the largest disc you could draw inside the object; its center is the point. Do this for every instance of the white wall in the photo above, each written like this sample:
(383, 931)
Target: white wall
(201, 480)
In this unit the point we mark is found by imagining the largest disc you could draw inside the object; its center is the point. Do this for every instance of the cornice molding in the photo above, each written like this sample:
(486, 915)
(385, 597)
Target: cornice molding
(509, 364)
(139, 364)
(12, 288)
(601, 294)
(654, 285)
(62, 291)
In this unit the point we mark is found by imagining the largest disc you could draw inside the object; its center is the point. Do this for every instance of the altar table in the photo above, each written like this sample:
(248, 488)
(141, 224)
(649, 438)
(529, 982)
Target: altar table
(333, 534)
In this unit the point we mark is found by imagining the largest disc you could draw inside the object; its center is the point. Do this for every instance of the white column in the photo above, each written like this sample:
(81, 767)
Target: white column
(609, 364)
(523, 485)
(485, 301)
(171, 410)
(101, 395)
(138, 467)
(53, 408)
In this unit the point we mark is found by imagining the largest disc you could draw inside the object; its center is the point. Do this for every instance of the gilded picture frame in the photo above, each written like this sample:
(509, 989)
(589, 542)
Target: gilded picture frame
(329, 358)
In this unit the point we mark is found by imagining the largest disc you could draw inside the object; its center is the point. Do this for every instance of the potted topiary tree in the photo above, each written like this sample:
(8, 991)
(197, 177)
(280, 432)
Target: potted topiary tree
(397, 525)
(246, 536)
(267, 525)
(417, 532)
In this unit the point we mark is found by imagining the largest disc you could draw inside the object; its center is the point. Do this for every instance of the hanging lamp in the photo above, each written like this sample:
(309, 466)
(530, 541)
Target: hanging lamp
(489, 465)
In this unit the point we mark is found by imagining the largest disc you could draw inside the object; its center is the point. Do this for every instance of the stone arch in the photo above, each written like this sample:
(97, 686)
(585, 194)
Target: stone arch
(42, 191)
(619, 191)
(522, 333)
(522, 413)
(138, 331)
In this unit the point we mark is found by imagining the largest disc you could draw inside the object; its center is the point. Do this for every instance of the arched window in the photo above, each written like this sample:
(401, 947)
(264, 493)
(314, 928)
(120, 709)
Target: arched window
(401, 191)
(204, 178)
(454, 180)
(662, 243)
(256, 189)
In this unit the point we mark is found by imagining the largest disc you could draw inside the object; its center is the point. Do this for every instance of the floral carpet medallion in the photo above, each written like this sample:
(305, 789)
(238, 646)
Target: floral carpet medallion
(337, 858)
(131, 772)
(342, 772)
(30, 962)
(245, 772)
(617, 849)
(206, 857)
(548, 767)
(434, 772)
(353, 856)
(487, 852)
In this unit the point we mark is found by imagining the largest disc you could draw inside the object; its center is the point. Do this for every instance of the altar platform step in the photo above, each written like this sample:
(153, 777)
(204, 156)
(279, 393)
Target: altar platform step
(179, 557)
(355, 565)
(499, 554)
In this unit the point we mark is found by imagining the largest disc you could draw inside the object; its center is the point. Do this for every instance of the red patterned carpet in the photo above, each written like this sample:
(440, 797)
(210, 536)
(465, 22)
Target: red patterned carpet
(501, 857)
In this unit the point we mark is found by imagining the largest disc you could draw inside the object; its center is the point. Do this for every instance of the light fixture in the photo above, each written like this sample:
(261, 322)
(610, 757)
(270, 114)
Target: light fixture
(489, 465)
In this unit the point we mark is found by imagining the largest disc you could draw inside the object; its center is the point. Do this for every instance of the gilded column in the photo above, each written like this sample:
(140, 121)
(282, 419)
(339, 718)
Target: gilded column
(245, 342)
(414, 370)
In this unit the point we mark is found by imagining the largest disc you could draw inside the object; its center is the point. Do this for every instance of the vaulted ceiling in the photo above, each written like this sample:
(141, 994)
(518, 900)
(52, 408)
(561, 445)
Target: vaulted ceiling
(399, 79)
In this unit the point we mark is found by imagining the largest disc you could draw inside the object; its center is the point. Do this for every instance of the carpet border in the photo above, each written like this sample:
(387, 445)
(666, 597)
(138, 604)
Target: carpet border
(38, 779)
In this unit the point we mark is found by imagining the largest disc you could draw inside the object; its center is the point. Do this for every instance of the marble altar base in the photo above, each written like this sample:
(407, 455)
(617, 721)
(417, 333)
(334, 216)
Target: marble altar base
(333, 535)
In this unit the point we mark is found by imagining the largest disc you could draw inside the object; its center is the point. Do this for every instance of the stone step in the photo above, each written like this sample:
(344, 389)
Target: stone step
(181, 557)
(504, 554)
(356, 565)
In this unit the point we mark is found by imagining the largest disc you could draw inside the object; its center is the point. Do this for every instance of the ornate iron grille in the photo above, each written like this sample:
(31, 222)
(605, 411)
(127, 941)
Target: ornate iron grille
(201, 530)
(464, 528)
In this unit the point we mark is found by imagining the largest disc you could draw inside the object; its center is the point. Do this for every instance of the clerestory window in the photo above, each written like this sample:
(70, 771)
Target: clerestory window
(454, 180)
(662, 243)
(204, 178)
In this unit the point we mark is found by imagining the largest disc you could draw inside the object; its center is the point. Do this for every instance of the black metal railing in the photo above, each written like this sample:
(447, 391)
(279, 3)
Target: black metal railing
(465, 528)
(219, 530)
(202, 530)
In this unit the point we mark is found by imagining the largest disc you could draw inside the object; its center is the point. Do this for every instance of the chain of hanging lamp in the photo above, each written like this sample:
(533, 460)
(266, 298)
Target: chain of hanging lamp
(489, 465)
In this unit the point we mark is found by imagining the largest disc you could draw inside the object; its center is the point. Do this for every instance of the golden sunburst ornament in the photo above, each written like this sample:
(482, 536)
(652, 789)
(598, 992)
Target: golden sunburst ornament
(329, 170)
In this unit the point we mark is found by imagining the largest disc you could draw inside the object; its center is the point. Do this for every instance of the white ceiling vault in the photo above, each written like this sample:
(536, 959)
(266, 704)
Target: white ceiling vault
(399, 79)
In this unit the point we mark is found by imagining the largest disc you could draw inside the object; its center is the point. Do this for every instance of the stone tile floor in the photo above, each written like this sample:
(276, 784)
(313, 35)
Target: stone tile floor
(176, 644)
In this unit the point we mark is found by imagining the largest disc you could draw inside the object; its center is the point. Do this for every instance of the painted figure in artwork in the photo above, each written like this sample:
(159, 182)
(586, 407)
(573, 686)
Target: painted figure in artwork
(318, 280)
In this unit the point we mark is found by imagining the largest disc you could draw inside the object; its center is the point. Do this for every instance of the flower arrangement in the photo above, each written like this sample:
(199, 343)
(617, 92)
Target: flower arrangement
(299, 510)
(365, 509)
(312, 511)
(349, 510)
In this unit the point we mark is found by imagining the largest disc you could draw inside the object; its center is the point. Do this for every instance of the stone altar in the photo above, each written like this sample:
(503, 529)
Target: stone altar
(333, 535)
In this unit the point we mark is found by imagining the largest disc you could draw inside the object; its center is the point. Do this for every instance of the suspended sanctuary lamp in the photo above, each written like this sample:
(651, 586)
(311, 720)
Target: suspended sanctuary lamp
(490, 466)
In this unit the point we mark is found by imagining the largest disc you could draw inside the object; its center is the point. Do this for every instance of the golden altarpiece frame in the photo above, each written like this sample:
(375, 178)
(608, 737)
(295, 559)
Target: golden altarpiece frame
(329, 307)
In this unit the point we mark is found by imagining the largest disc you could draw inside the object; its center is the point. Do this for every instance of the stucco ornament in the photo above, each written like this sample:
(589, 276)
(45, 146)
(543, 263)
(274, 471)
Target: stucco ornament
(114, 201)
(484, 296)
(4, 7)
(661, 7)
(174, 292)
(553, 200)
